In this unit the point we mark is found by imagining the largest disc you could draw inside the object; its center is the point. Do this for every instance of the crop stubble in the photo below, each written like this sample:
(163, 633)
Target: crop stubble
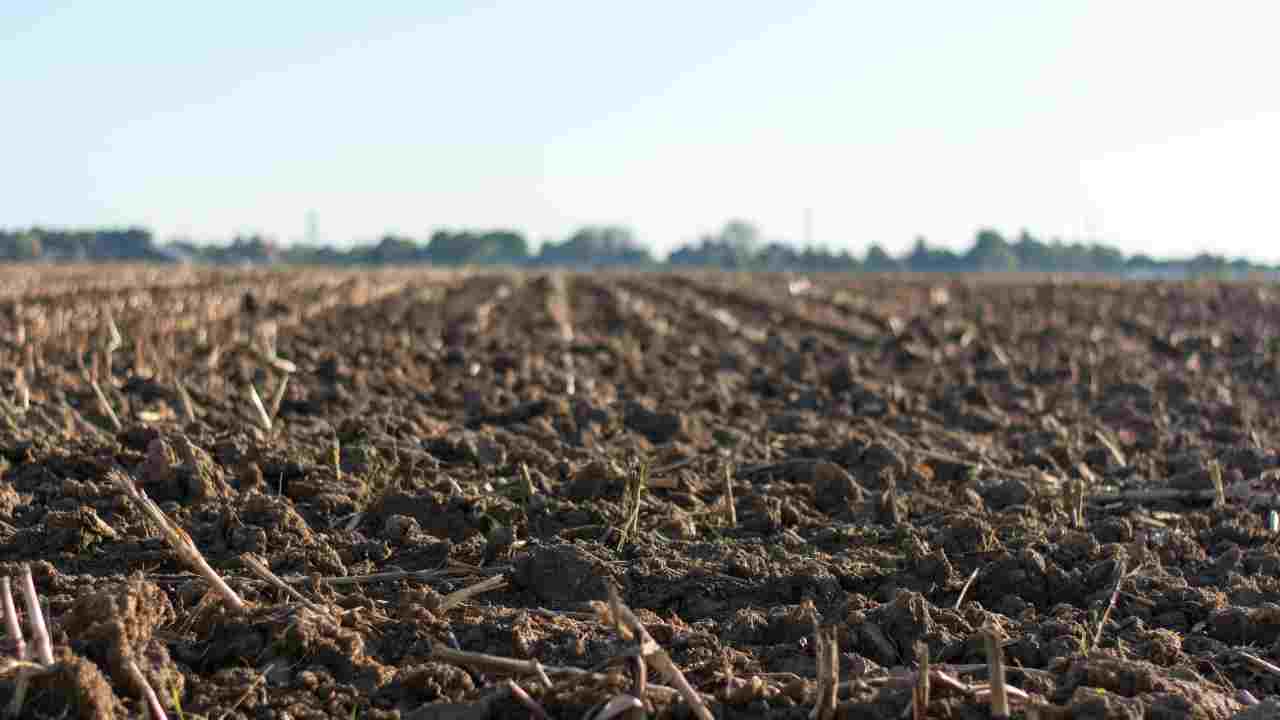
(1074, 474)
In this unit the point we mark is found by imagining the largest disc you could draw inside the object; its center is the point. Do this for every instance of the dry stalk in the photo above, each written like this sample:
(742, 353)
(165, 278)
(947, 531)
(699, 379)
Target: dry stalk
(336, 457)
(639, 676)
(1260, 663)
(540, 673)
(965, 590)
(458, 597)
(683, 462)
(828, 674)
(104, 406)
(730, 510)
(177, 538)
(269, 360)
(139, 355)
(980, 669)
(261, 411)
(9, 418)
(259, 568)
(510, 666)
(26, 671)
(154, 708)
(35, 618)
(653, 652)
(995, 660)
(188, 407)
(1112, 447)
(618, 707)
(636, 482)
(112, 339)
(496, 663)
(533, 706)
(920, 693)
(23, 389)
(29, 359)
(978, 692)
(1154, 495)
(277, 396)
(1219, 490)
(985, 693)
(74, 420)
(953, 683)
(11, 619)
(1111, 603)
(248, 692)
(1075, 497)
(389, 576)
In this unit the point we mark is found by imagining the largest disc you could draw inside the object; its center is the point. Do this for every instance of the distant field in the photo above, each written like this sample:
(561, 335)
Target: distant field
(1082, 466)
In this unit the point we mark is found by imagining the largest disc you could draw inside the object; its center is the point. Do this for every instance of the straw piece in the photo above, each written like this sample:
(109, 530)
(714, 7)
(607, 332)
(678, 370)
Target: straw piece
(154, 708)
(828, 674)
(188, 408)
(255, 399)
(105, 406)
(965, 590)
(656, 656)
(995, 660)
(458, 597)
(730, 510)
(35, 618)
(177, 538)
(11, 618)
(920, 693)
(259, 568)
(277, 397)
(533, 706)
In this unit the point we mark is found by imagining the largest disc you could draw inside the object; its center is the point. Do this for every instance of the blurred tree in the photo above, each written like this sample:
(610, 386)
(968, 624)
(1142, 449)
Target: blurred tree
(880, 261)
(394, 249)
(473, 248)
(20, 246)
(596, 245)
(991, 253)
(926, 259)
(742, 238)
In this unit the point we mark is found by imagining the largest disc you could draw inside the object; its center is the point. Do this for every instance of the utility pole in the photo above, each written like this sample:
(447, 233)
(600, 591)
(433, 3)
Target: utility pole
(808, 227)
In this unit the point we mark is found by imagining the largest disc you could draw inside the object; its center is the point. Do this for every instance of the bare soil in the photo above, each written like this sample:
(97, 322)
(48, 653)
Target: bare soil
(1084, 468)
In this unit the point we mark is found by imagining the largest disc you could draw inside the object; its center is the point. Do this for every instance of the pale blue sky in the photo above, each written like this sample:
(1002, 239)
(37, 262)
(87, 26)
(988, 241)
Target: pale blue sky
(1151, 125)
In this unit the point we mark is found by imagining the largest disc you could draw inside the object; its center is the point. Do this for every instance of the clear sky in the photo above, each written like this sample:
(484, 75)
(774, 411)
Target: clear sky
(1151, 125)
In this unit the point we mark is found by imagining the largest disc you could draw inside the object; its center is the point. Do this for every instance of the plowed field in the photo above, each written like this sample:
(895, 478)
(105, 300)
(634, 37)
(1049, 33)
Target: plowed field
(420, 489)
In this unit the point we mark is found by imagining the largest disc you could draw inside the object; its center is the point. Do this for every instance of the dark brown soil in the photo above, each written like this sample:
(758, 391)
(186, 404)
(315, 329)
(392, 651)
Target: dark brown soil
(1084, 468)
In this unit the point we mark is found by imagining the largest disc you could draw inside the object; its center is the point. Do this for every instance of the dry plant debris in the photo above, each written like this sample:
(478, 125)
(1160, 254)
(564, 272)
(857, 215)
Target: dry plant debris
(424, 493)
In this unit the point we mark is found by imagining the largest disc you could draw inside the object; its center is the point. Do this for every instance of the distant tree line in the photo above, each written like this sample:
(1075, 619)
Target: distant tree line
(72, 245)
(739, 245)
